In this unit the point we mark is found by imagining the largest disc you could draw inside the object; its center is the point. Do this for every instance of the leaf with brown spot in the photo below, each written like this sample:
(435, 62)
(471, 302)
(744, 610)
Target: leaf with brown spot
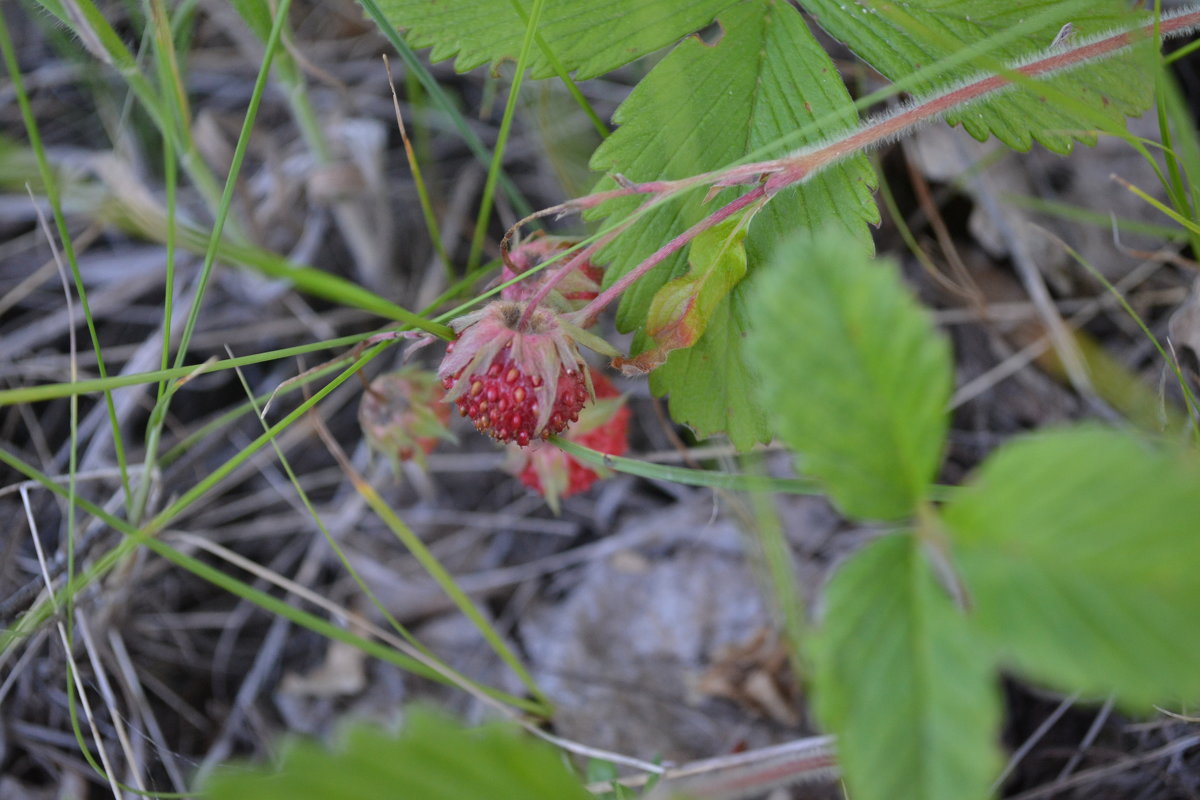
(682, 309)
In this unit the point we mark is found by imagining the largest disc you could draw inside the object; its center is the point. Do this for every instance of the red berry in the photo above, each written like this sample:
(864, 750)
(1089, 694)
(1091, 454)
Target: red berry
(497, 401)
(604, 428)
(516, 379)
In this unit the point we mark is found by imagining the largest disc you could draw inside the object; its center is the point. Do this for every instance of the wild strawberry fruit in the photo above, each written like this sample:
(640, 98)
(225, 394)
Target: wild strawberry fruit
(515, 385)
(571, 293)
(602, 426)
(403, 414)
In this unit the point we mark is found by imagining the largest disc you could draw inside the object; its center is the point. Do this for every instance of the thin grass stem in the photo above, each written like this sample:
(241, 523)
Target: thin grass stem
(442, 102)
(432, 567)
(383, 610)
(431, 223)
(50, 186)
(510, 107)
(564, 76)
(226, 201)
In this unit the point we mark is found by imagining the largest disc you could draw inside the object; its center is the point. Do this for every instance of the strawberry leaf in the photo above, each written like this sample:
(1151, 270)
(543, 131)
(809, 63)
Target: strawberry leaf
(589, 37)
(901, 39)
(705, 106)
(711, 383)
(681, 310)
(903, 682)
(854, 372)
(433, 759)
(1079, 550)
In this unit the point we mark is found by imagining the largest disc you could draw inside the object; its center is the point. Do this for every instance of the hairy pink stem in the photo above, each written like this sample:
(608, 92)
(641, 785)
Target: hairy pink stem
(590, 201)
(783, 172)
(553, 280)
(625, 281)
(802, 166)
(628, 187)
(565, 269)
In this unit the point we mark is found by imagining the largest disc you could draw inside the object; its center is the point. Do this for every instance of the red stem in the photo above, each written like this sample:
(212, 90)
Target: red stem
(793, 169)
(565, 269)
(625, 281)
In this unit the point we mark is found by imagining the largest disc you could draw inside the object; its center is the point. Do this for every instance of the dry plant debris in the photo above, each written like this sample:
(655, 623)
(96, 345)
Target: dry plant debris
(638, 610)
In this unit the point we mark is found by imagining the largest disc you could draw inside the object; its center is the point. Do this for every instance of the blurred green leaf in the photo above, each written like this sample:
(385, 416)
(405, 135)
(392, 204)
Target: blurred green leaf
(256, 14)
(855, 375)
(432, 758)
(1079, 550)
(903, 683)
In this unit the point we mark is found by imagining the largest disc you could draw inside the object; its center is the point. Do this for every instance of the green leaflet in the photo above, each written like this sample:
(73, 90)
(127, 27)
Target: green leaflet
(903, 683)
(854, 372)
(703, 107)
(682, 308)
(899, 39)
(711, 385)
(1079, 550)
(590, 37)
(432, 759)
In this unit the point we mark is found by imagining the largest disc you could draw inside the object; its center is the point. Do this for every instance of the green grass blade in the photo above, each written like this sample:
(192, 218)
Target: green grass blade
(1185, 147)
(686, 475)
(50, 391)
(1191, 226)
(520, 204)
(446, 581)
(239, 153)
(50, 186)
(564, 76)
(135, 537)
(510, 107)
(306, 279)
(341, 555)
(414, 164)
(169, 77)
(111, 49)
(1087, 216)
(1189, 397)
(1182, 52)
(781, 580)
(172, 512)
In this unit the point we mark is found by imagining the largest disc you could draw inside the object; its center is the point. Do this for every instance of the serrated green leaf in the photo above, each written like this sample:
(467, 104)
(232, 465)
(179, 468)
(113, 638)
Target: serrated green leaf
(1079, 550)
(589, 37)
(903, 683)
(433, 758)
(711, 384)
(855, 375)
(900, 39)
(701, 108)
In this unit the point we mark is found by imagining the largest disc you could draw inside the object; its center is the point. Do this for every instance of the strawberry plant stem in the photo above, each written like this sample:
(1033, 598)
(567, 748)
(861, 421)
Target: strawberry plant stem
(777, 174)
(757, 196)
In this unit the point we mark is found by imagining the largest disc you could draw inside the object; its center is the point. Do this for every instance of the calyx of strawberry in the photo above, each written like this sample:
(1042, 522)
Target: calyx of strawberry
(403, 415)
